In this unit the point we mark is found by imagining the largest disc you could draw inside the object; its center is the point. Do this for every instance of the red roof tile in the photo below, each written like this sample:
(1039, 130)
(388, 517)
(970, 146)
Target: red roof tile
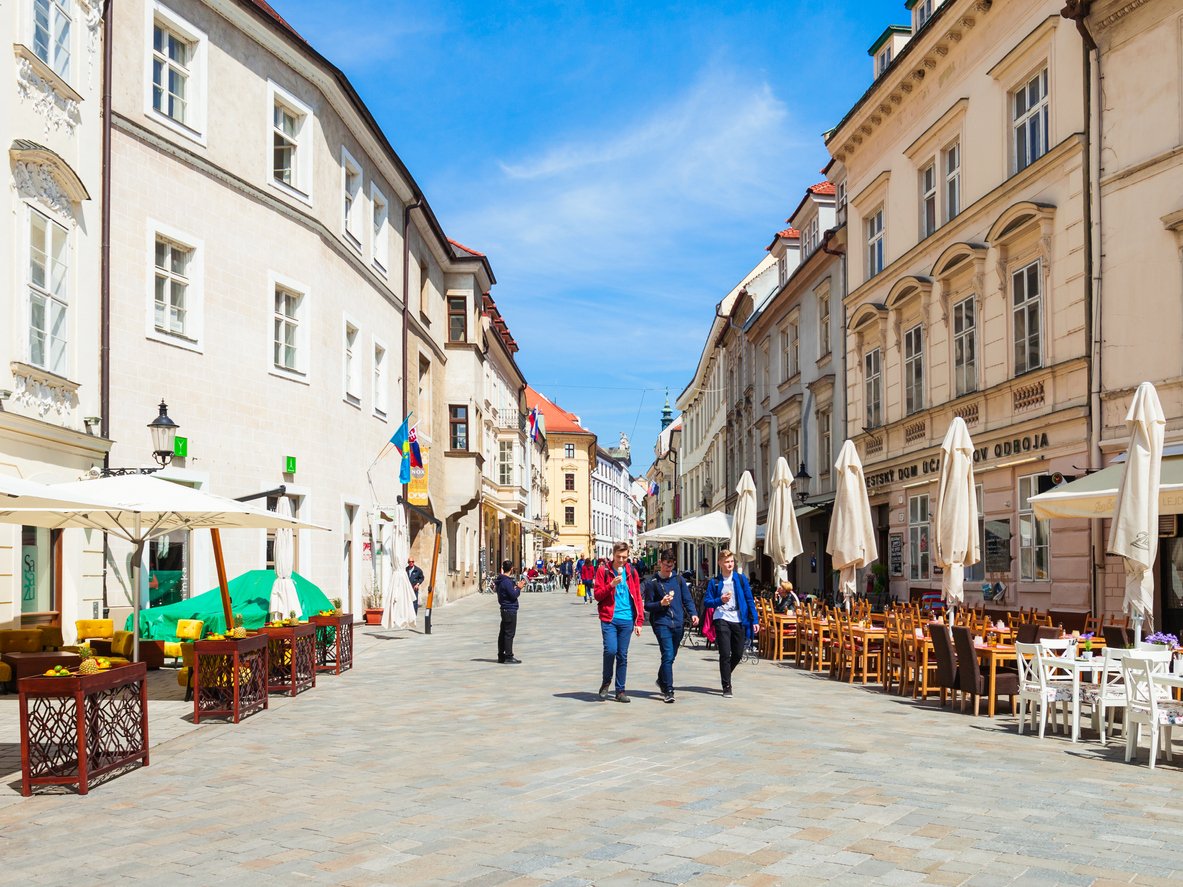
(823, 188)
(467, 249)
(558, 420)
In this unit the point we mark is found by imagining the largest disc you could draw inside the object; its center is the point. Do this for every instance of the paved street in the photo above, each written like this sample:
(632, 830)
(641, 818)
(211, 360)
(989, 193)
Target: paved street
(430, 763)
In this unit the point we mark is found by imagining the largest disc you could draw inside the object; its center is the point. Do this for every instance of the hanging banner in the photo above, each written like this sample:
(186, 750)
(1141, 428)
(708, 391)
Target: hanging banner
(417, 488)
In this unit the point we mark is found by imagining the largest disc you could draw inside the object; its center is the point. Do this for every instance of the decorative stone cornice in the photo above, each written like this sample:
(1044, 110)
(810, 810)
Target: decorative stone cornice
(37, 181)
(1120, 13)
(51, 96)
(43, 391)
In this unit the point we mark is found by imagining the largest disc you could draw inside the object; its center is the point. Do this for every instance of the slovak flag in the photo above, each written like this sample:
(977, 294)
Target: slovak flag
(533, 420)
(415, 455)
(653, 488)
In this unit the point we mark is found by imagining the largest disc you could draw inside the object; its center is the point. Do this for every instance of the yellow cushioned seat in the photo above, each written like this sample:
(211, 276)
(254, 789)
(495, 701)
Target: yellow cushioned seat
(187, 630)
(51, 637)
(20, 640)
(94, 628)
(5, 672)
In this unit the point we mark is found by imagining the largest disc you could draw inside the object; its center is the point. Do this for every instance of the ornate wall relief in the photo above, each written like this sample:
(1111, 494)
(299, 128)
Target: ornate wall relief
(42, 391)
(36, 181)
(60, 112)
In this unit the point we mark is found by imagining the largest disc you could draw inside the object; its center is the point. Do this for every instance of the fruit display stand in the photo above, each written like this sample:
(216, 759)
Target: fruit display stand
(76, 728)
(229, 677)
(27, 665)
(292, 654)
(334, 642)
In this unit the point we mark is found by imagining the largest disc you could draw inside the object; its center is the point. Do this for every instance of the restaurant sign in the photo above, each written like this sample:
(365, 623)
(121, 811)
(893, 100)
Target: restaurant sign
(906, 471)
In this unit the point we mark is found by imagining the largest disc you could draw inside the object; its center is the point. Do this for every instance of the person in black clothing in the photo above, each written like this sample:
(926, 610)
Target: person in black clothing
(668, 602)
(415, 574)
(508, 592)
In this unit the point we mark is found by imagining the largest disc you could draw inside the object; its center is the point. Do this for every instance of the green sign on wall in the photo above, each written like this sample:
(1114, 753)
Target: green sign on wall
(180, 447)
(289, 464)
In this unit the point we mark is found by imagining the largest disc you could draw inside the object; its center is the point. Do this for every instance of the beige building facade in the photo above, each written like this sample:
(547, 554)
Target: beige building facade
(571, 460)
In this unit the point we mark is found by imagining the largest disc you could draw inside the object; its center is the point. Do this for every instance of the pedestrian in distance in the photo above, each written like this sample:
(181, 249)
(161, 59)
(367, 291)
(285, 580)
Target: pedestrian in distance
(667, 603)
(508, 592)
(587, 575)
(566, 570)
(622, 613)
(730, 594)
(415, 574)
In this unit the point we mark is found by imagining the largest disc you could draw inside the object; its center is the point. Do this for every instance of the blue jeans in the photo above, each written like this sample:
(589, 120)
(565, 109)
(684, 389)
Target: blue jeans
(616, 640)
(668, 640)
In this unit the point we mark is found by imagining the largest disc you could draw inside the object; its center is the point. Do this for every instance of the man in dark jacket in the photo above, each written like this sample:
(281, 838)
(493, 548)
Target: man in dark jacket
(416, 576)
(566, 570)
(668, 602)
(508, 593)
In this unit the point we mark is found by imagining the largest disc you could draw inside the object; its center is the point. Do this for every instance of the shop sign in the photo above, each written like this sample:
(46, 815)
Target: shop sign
(180, 447)
(417, 488)
(895, 547)
(289, 464)
(931, 466)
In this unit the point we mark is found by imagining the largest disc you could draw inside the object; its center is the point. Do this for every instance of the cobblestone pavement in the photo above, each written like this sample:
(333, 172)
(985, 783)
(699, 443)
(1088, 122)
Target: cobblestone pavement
(432, 764)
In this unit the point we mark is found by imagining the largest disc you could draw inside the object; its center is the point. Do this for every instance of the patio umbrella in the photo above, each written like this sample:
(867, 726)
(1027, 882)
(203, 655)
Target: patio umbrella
(400, 611)
(743, 527)
(782, 539)
(1133, 534)
(16, 492)
(852, 533)
(283, 591)
(957, 513)
(139, 508)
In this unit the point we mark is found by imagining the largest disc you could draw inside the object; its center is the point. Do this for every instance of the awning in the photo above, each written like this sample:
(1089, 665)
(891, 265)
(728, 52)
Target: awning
(1095, 495)
(504, 511)
(808, 511)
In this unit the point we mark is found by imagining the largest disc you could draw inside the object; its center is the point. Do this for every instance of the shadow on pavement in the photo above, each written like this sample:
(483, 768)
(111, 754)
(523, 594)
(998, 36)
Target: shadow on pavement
(494, 661)
(580, 696)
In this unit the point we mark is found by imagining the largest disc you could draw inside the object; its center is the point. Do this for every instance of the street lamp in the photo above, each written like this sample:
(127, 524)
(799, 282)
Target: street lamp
(164, 435)
(802, 478)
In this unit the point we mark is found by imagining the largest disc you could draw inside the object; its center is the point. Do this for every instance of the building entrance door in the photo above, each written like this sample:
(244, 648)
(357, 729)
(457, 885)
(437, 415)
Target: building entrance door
(1170, 559)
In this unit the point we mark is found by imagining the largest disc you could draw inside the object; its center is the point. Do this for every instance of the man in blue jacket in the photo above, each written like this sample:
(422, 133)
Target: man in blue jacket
(668, 602)
(508, 593)
(730, 595)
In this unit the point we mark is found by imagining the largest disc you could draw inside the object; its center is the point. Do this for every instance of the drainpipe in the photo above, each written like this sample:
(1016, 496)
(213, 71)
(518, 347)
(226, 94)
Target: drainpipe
(418, 202)
(1077, 11)
(105, 266)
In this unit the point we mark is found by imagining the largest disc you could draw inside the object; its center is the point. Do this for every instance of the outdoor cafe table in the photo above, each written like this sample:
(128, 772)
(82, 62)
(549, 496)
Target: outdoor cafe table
(292, 655)
(27, 665)
(334, 642)
(82, 726)
(865, 634)
(229, 677)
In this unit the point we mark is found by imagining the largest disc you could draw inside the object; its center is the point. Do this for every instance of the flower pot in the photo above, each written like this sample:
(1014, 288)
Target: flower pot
(374, 615)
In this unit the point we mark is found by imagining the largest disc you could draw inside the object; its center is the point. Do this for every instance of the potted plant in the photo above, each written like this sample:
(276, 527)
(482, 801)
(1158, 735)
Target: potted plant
(372, 601)
(1086, 645)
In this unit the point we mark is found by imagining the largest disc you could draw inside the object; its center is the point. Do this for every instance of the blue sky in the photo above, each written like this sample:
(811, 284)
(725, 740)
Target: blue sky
(622, 164)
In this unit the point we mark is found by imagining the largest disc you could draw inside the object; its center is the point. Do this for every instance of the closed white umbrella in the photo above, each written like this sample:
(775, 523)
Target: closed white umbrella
(1134, 532)
(284, 598)
(400, 609)
(743, 527)
(852, 533)
(957, 512)
(782, 538)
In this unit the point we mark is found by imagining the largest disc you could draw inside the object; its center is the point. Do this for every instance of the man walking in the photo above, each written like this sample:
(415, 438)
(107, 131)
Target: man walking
(566, 570)
(668, 602)
(416, 576)
(622, 613)
(508, 593)
(731, 597)
(587, 575)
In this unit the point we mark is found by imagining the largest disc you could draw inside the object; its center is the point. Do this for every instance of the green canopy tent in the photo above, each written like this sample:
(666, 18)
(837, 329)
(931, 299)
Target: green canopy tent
(250, 595)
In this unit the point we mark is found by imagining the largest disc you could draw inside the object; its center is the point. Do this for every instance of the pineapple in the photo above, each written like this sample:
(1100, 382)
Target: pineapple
(239, 630)
(89, 664)
(293, 618)
(337, 606)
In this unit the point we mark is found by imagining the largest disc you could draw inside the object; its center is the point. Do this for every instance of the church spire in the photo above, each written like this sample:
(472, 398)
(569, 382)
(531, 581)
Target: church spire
(667, 414)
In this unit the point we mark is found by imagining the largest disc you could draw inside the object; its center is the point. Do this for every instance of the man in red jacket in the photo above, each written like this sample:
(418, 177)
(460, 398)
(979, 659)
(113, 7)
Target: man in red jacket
(622, 613)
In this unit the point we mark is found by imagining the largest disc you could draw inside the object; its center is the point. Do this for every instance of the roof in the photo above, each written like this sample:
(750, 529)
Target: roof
(887, 34)
(467, 249)
(558, 420)
(490, 310)
(266, 9)
(786, 234)
(823, 188)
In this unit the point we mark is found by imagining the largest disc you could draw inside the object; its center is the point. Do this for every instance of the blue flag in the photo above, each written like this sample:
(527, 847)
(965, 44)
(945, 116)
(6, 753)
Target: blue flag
(402, 442)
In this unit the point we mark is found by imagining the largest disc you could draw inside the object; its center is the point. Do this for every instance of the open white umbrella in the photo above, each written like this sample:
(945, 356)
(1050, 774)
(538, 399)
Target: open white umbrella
(284, 598)
(16, 492)
(1134, 532)
(715, 526)
(400, 609)
(782, 539)
(140, 508)
(852, 533)
(743, 527)
(957, 513)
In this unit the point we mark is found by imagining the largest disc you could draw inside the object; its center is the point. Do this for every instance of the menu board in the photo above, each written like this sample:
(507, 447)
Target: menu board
(996, 557)
(895, 554)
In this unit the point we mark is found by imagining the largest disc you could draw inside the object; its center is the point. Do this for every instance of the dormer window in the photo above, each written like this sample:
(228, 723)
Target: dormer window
(921, 13)
(883, 60)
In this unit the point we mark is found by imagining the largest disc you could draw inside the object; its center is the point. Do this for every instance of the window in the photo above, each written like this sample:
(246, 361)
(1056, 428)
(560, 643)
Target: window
(914, 369)
(1026, 312)
(952, 165)
(424, 289)
(171, 314)
(825, 446)
(977, 572)
(823, 323)
(792, 445)
(49, 294)
(1034, 535)
(1029, 120)
(51, 34)
(922, 12)
(883, 59)
(381, 387)
(380, 214)
(793, 352)
(505, 463)
(568, 481)
(291, 143)
(458, 427)
(874, 225)
(873, 387)
(782, 270)
(172, 59)
(40, 575)
(965, 373)
(287, 332)
(918, 537)
(352, 365)
(812, 235)
(569, 451)
(569, 515)
(457, 319)
(351, 196)
(928, 200)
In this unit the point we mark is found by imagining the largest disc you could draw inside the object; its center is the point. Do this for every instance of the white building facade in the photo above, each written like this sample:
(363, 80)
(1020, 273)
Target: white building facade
(612, 506)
